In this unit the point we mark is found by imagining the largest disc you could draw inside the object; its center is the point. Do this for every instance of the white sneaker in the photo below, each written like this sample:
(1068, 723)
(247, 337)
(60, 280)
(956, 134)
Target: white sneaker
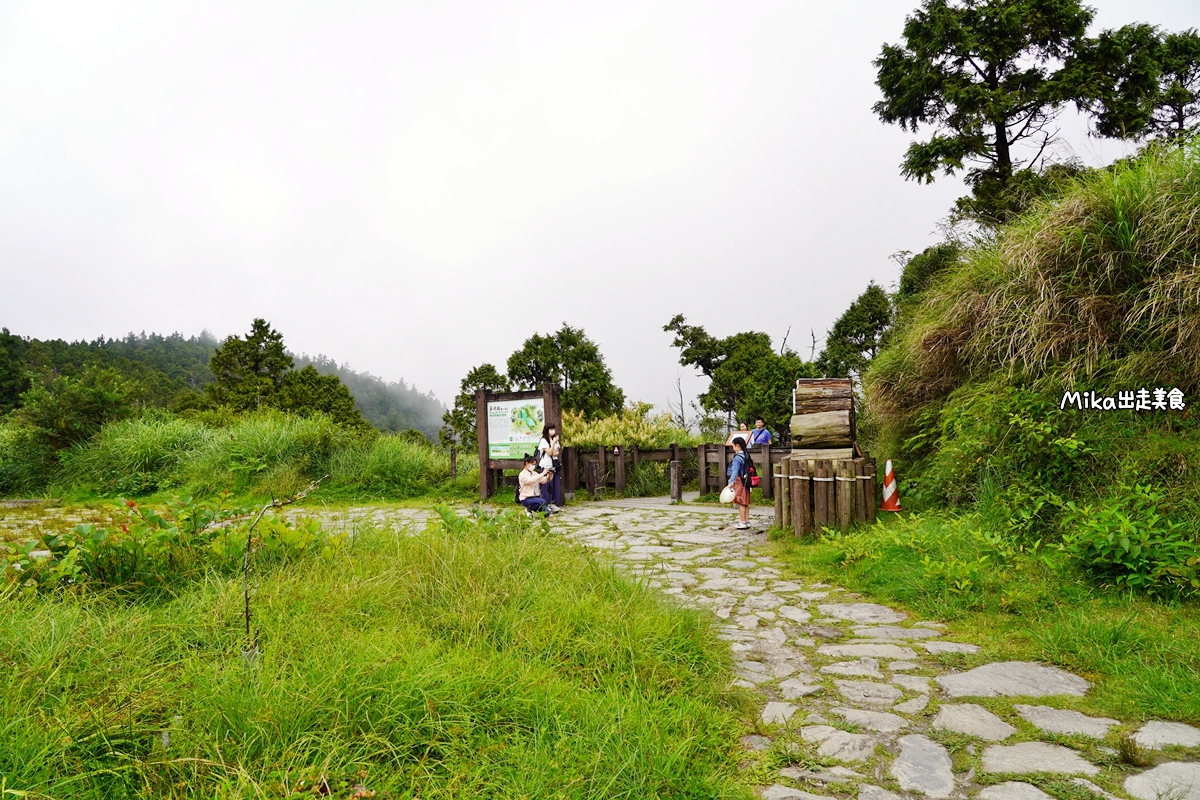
(553, 508)
(742, 526)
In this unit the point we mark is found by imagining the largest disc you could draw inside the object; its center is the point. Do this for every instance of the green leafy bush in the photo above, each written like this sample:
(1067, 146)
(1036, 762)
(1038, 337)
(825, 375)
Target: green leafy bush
(1129, 543)
(1002, 435)
(155, 549)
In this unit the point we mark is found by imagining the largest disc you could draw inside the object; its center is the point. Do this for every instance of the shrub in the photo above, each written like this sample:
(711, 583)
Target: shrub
(1128, 542)
(153, 549)
(635, 425)
(257, 449)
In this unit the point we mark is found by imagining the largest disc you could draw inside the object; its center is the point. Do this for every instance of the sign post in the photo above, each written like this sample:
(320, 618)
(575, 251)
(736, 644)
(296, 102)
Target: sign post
(509, 427)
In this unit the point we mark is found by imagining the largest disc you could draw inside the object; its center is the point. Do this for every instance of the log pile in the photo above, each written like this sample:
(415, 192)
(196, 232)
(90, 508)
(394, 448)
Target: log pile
(822, 413)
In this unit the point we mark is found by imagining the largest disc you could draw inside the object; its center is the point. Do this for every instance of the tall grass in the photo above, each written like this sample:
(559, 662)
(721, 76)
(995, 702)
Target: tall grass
(267, 453)
(137, 455)
(1100, 285)
(476, 659)
(394, 467)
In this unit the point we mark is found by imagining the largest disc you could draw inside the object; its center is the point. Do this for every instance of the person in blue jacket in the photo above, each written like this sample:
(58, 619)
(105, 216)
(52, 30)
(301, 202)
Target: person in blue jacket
(760, 434)
(739, 469)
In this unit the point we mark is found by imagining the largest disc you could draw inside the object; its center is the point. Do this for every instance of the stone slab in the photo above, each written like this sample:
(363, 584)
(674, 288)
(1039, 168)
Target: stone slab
(940, 648)
(776, 712)
(839, 745)
(1013, 790)
(923, 767)
(1057, 720)
(863, 668)
(879, 721)
(868, 792)
(1157, 735)
(913, 683)
(1012, 678)
(794, 688)
(794, 614)
(861, 612)
(870, 650)
(780, 792)
(973, 720)
(1175, 780)
(821, 774)
(1029, 757)
(868, 692)
(914, 706)
(893, 632)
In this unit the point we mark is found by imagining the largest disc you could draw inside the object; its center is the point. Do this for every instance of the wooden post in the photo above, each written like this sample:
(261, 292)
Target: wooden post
(570, 470)
(775, 480)
(702, 454)
(596, 479)
(798, 491)
(765, 471)
(804, 501)
(784, 500)
(726, 455)
(453, 462)
(872, 479)
(601, 467)
(822, 496)
(674, 451)
(845, 492)
(860, 490)
(619, 468)
(486, 478)
(677, 481)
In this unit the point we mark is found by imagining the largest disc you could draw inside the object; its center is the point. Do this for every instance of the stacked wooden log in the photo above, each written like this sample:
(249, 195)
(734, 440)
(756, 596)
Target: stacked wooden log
(826, 481)
(822, 413)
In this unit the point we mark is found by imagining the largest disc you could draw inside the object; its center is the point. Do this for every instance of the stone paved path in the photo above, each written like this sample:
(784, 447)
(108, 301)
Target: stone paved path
(856, 698)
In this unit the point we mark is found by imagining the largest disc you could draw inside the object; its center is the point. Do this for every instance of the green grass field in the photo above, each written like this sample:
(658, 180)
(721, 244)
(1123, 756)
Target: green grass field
(472, 659)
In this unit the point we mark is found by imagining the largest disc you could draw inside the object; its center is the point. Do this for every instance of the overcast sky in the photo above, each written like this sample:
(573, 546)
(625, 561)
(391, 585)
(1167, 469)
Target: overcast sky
(415, 187)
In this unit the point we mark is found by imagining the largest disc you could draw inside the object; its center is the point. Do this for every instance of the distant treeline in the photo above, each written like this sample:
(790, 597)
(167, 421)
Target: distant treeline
(173, 371)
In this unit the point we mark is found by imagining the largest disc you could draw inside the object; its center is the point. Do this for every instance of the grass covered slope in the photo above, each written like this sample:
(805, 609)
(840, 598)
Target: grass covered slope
(1095, 289)
(1099, 285)
(475, 659)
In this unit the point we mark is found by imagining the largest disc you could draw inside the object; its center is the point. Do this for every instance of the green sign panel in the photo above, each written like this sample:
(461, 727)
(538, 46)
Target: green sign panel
(514, 427)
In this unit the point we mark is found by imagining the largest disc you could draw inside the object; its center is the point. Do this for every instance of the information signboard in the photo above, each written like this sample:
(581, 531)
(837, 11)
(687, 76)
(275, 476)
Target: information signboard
(514, 427)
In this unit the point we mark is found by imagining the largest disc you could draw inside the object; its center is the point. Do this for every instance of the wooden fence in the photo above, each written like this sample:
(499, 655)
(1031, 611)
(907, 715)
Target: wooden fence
(595, 468)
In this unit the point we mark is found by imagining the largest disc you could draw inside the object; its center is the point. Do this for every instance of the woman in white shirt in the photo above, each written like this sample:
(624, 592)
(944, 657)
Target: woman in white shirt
(550, 449)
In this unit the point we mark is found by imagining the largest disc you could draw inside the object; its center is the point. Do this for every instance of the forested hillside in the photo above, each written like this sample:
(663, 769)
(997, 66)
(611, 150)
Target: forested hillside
(173, 371)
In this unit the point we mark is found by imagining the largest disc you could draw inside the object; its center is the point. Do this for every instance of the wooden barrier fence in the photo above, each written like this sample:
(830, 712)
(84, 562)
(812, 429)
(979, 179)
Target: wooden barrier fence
(816, 493)
(610, 465)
